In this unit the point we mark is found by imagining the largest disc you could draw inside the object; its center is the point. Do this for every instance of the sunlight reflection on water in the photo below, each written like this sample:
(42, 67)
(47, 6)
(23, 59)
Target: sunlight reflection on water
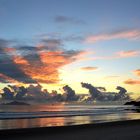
(67, 120)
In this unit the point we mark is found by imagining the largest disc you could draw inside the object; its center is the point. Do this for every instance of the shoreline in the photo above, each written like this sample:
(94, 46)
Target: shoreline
(128, 129)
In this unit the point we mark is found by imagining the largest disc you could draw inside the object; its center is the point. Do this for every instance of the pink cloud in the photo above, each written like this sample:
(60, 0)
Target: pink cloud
(130, 53)
(131, 34)
(118, 55)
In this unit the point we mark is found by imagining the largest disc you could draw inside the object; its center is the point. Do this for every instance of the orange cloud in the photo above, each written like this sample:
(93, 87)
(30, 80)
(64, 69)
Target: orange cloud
(48, 70)
(132, 82)
(20, 60)
(36, 64)
(137, 72)
(131, 34)
(89, 68)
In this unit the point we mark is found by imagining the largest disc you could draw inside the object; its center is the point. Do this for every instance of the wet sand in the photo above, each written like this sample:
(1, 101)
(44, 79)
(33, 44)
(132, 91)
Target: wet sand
(123, 130)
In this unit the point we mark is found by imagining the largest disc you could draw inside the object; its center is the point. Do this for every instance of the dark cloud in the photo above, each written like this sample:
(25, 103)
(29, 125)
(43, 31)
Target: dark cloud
(93, 91)
(37, 93)
(100, 94)
(74, 38)
(59, 39)
(52, 43)
(19, 92)
(66, 19)
(7, 94)
(70, 93)
(4, 43)
(3, 79)
(121, 90)
(32, 92)
(29, 53)
(121, 94)
(9, 68)
(56, 97)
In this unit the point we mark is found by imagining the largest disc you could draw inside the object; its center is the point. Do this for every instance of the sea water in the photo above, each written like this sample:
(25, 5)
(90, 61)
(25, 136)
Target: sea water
(49, 115)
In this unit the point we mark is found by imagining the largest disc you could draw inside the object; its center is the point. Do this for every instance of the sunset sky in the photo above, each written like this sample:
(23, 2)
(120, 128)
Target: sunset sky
(58, 42)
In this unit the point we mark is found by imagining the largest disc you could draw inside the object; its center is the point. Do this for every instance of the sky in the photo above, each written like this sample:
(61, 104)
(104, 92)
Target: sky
(59, 42)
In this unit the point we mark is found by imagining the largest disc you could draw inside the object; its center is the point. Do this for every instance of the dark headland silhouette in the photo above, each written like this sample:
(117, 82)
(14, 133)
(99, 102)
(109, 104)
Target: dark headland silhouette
(135, 103)
(15, 103)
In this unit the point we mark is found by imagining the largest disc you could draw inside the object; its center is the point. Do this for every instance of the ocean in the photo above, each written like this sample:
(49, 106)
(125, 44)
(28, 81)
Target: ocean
(49, 115)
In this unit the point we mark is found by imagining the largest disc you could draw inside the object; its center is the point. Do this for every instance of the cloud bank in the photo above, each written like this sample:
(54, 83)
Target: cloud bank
(37, 93)
(100, 94)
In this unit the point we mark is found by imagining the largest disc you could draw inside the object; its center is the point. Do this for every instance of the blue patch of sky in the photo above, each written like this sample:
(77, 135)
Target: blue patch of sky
(24, 19)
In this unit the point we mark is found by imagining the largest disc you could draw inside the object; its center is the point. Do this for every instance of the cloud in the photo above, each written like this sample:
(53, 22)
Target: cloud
(132, 82)
(47, 72)
(121, 90)
(129, 53)
(18, 92)
(132, 34)
(137, 72)
(74, 38)
(7, 94)
(100, 94)
(6, 79)
(34, 64)
(70, 94)
(37, 93)
(52, 43)
(94, 92)
(9, 68)
(121, 94)
(66, 19)
(21, 92)
(58, 38)
(32, 92)
(118, 55)
(89, 68)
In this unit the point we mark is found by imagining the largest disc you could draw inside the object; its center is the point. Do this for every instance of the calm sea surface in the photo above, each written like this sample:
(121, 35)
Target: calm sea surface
(12, 117)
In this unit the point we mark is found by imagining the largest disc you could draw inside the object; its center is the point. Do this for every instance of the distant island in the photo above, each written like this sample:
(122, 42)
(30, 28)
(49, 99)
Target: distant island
(15, 103)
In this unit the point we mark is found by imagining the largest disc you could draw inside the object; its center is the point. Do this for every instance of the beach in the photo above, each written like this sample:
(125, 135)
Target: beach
(120, 130)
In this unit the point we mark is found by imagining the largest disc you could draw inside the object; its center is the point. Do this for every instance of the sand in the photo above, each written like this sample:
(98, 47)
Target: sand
(123, 130)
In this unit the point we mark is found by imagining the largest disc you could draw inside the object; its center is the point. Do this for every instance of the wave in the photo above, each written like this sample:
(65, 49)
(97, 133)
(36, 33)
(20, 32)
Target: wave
(45, 114)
